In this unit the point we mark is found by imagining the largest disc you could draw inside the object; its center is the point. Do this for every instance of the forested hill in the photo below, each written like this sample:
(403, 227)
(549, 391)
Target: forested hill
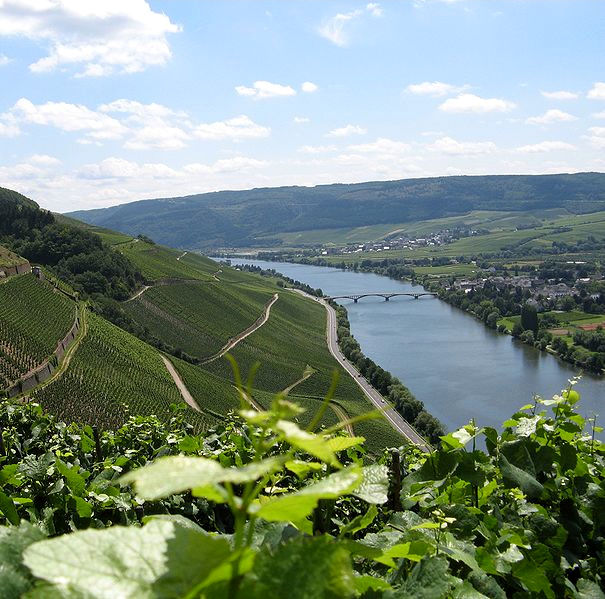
(238, 218)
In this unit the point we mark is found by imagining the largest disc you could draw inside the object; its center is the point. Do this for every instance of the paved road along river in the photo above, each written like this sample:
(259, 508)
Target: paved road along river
(458, 367)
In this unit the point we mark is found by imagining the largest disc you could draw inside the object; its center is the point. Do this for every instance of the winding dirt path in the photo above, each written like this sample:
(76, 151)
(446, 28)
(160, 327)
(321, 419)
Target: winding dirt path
(343, 417)
(178, 381)
(251, 329)
(138, 293)
(309, 371)
(181, 256)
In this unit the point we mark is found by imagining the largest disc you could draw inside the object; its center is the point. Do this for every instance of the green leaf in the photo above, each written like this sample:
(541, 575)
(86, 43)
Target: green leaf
(374, 487)
(312, 444)
(515, 477)
(360, 522)
(82, 507)
(587, 589)
(75, 481)
(302, 468)
(15, 578)
(316, 567)
(341, 443)
(369, 583)
(527, 426)
(295, 506)
(175, 474)
(429, 579)
(8, 508)
(162, 559)
(532, 576)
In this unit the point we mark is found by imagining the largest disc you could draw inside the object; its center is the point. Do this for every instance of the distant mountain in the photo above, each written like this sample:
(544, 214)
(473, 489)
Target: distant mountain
(240, 218)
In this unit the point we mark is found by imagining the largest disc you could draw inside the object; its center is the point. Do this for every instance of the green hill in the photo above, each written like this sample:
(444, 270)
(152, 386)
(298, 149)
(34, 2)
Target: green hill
(259, 216)
(10, 259)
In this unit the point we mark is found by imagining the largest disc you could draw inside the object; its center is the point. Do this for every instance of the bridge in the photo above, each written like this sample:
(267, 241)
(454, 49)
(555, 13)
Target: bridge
(387, 296)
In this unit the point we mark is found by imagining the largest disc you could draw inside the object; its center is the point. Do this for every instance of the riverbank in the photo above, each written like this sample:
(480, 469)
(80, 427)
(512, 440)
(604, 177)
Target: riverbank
(457, 367)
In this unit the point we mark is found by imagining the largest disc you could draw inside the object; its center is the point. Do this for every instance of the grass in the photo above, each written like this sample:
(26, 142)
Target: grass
(8, 258)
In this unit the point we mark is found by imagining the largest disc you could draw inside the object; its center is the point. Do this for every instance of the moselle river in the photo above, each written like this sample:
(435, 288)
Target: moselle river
(458, 367)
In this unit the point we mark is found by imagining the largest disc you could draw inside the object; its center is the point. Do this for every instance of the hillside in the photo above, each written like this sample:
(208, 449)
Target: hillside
(9, 260)
(240, 218)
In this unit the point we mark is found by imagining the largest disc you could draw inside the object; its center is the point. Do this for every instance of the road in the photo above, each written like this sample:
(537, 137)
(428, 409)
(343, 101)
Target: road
(139, 293)
(395, 419)
(178, 381)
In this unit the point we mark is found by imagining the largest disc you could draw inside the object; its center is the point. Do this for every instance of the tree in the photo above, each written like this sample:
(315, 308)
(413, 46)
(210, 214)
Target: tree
(529, 318)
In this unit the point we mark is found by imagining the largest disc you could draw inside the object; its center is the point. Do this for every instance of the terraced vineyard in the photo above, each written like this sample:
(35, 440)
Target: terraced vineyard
(293, 338)
(112, 375)
(199, 318)
(33, 319)
(158, 262)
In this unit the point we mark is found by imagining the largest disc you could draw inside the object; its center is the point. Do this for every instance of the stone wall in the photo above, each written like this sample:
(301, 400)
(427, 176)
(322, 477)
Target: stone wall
(42, 373)
(20, 269)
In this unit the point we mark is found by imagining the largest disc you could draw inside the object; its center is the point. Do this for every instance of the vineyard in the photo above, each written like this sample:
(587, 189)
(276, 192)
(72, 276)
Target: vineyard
(158, 262)
(33, 319)
(111, 375)
(8, 258)
(199, 318)
(293, 338)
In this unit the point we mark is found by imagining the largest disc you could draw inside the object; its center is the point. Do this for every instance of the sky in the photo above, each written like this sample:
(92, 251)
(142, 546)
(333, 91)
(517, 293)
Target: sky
(110, 101)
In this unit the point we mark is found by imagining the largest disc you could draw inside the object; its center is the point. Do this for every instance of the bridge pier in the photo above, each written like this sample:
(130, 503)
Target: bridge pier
(416, 296)
(386, 299)
(355, 299)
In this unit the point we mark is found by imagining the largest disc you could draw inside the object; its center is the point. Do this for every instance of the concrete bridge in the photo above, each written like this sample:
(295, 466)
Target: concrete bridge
(387, 296)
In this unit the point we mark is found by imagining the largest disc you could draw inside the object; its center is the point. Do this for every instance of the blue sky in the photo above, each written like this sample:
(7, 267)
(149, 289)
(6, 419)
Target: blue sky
(104, 102)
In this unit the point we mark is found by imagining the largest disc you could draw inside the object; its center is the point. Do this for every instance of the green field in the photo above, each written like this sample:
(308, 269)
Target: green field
(33, 319)
(111, 375)
(158, 262)
(199, 317)
(293, 338)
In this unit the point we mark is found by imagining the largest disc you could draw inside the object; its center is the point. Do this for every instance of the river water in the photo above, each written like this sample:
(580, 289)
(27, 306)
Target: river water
(458, 367)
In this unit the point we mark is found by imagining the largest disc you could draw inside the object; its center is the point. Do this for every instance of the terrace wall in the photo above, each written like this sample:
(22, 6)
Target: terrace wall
(42, 372)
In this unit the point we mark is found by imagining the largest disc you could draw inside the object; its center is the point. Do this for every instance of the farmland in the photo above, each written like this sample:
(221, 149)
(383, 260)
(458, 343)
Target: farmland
(111, 375)
(198, 317)
(33, 318)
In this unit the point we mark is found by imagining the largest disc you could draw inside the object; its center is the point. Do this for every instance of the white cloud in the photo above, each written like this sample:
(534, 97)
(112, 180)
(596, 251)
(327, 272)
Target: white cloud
(381, 146)
(4, 60)
(597, 137)
(102, 37)
(335, 29)
(598, 91)
(476, 104)
(546, 146)
(561, 95)
(309, 87)
(447, 145)
(265, 89)
(599, 115)
(317, 149)
(346, 131)
(554, 115)
(301, 119)
(433, 88)
(69, 117)
(226, 165)
(374, 9)
(119, 168)
(8, 125)
(236, 128)
(44, 160)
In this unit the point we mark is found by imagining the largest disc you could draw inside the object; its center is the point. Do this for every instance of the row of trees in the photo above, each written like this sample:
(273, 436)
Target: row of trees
(391, 387)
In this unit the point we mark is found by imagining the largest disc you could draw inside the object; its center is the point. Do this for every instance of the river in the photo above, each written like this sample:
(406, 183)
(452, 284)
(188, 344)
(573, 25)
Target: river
(458, 367)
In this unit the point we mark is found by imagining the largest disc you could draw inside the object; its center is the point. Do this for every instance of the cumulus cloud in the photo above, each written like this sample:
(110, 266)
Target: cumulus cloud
(69, 117)
(599, 115)
(265, 89)
(309, 87)
(433, 88)
(346, 131)
(100, 37)
(336, 29)
(596, 137)
(301, 119)
(382, 145)
(546, 146)
(554, 115)
(4, 60)
(448, 145)
(119, 168)
(8, 125)
(44, 160)
(598, 91)
(476, 104)
(226, 165)
(561, 95)
(236, 128)
(317, 149)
